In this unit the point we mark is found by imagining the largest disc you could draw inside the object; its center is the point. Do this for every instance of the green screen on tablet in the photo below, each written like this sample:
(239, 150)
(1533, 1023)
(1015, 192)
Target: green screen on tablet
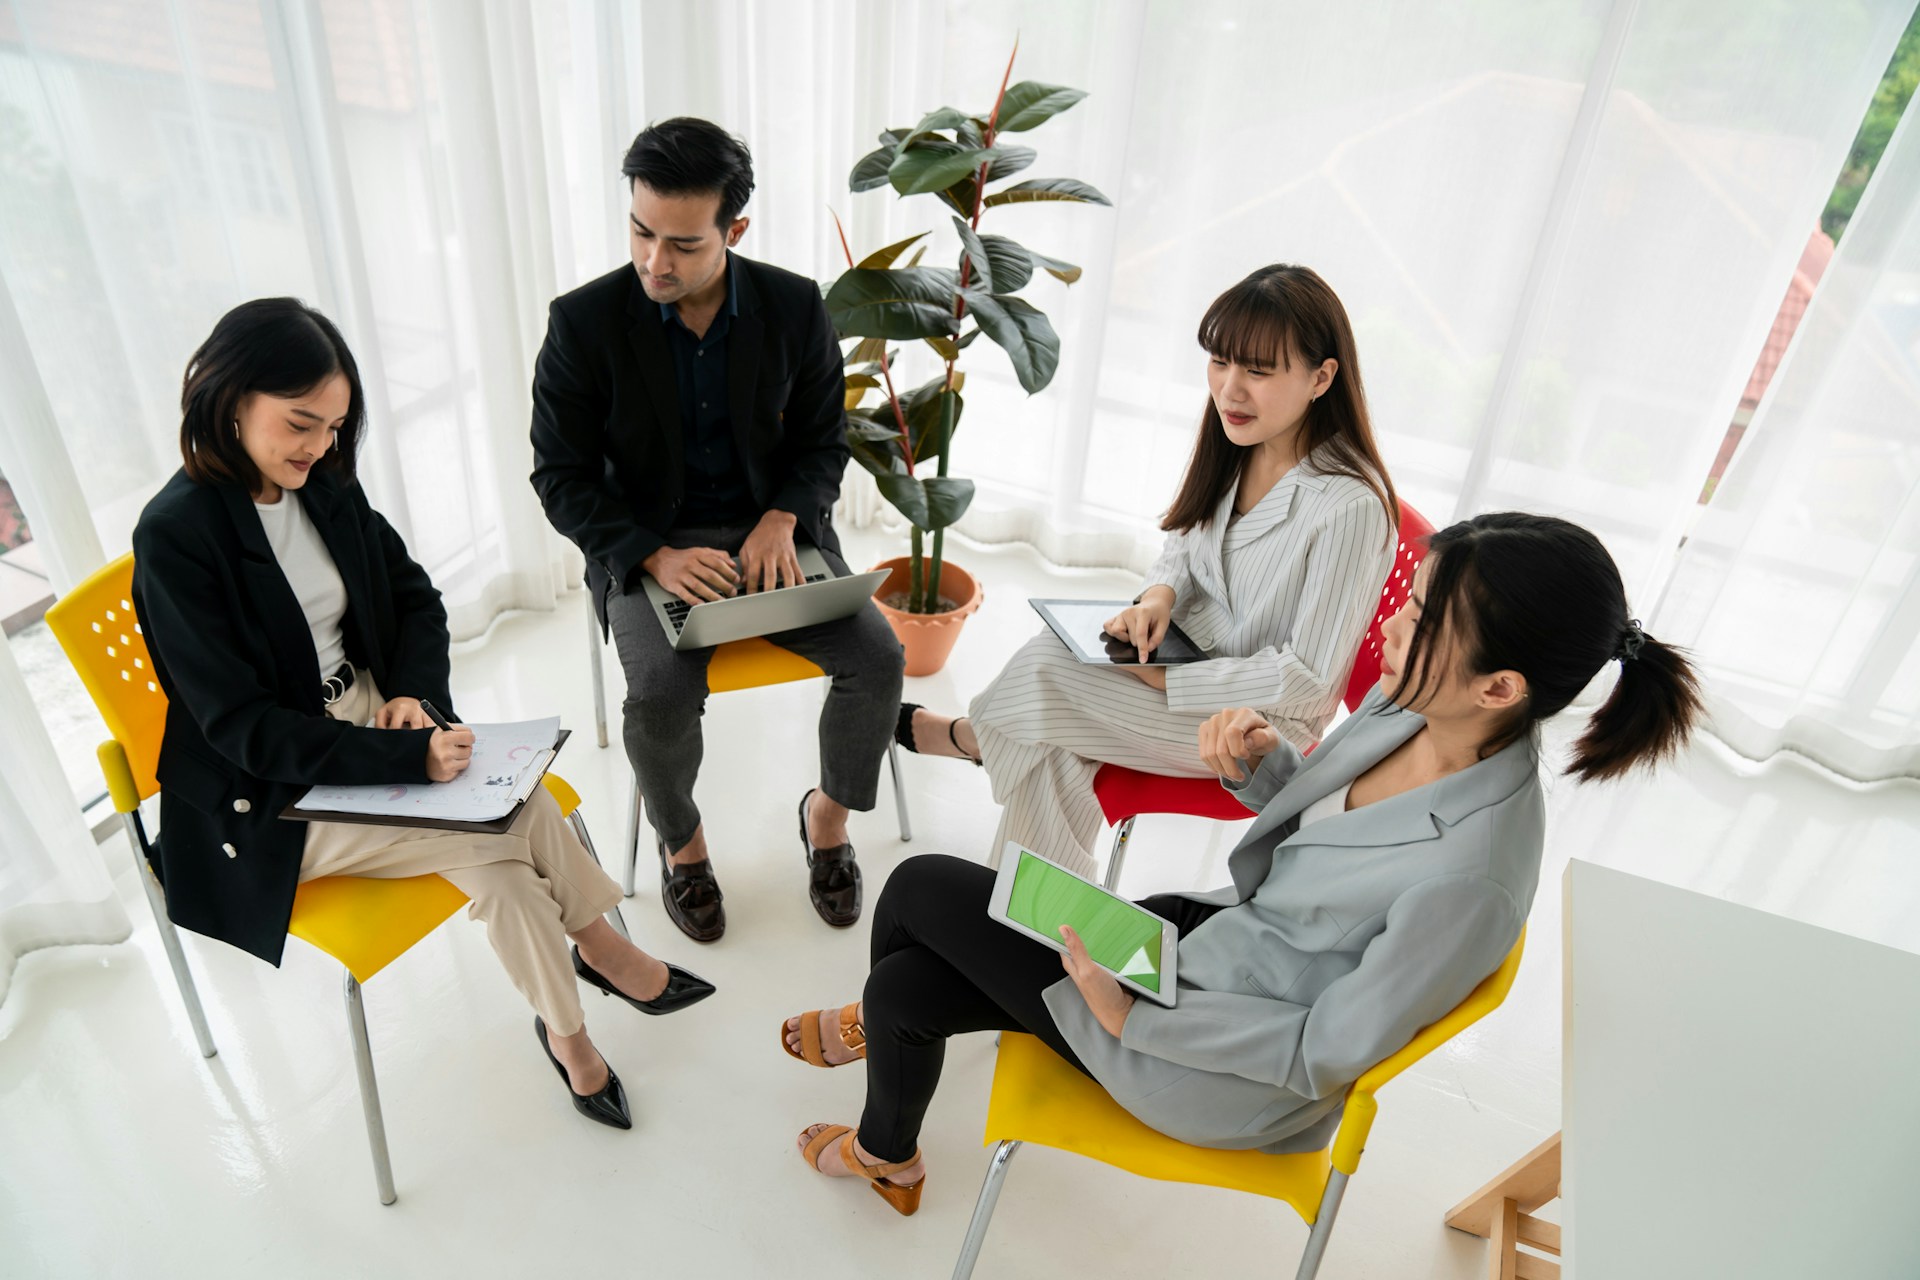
(1118, 935)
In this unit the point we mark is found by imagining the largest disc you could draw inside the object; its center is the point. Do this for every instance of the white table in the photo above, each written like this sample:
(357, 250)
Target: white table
(1741, 1092)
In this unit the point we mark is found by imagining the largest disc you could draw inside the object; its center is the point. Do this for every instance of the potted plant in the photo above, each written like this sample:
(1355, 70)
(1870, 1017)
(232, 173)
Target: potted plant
(954, 157)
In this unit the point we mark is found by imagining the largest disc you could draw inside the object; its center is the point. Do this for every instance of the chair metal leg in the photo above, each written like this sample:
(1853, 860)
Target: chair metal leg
(169, 936)
(899, 794)
(633, 839)
(579, 824)
(1322, 1226)
(983, 1209)
(594, 658)
(369, 1090)
(1118, 858)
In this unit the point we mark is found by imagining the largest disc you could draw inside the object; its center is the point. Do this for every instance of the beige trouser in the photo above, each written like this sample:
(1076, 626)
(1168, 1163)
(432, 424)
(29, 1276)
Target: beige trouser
(532, 886)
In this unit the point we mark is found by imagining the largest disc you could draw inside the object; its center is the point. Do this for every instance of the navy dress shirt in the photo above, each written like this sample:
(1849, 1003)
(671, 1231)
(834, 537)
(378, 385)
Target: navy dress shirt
(717, 492)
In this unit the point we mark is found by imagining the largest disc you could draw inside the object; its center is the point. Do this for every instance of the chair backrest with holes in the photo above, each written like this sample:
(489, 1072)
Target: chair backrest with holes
(95, 625)
(1366, 666)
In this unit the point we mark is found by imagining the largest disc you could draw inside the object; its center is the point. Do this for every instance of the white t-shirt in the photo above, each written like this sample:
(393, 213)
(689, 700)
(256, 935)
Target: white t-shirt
(1326, 806)
(310, 570)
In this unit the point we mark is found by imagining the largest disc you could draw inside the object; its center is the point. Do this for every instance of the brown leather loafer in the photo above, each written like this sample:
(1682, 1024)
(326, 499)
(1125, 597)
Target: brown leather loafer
(692, 897)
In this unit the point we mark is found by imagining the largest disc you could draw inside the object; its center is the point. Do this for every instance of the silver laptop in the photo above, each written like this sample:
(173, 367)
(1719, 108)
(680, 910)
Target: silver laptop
(823, 597)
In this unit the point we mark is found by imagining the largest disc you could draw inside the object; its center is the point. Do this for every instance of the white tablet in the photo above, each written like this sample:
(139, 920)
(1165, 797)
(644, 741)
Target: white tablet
(1035, 897)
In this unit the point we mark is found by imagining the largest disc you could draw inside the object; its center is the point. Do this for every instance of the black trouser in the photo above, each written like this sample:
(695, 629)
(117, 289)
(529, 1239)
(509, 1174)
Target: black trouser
(942, 967)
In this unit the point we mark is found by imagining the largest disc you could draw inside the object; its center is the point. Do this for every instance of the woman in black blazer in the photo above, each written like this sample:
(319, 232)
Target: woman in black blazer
(296, 641)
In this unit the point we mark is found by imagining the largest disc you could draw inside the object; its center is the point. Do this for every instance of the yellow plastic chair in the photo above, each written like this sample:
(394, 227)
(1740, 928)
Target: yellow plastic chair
(364, 923)
(1037, 1097)
(744, 664)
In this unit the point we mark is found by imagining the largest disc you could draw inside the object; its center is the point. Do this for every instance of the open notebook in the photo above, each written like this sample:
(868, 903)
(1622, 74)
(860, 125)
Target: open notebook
(508, 762)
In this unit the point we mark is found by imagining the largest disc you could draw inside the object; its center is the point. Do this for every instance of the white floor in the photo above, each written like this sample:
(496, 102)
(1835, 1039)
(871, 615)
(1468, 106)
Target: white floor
(126, 1154)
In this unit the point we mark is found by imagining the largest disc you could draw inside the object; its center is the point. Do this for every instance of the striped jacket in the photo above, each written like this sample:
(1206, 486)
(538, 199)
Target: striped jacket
(1281, 599)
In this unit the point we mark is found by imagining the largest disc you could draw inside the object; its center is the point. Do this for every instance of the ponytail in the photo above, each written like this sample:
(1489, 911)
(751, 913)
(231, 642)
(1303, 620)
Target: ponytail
(1541, 596)
(1646, 717)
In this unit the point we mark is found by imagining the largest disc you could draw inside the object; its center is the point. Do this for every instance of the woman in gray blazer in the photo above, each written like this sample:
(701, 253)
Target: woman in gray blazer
(1277, 543)
(1388, 873)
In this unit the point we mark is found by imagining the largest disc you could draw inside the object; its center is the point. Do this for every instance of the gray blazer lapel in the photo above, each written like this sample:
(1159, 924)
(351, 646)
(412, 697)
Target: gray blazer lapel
(1418, 814)
(1362, 741)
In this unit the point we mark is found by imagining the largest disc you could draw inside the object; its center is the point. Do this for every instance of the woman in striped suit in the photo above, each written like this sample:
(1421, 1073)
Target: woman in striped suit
(1277, 545)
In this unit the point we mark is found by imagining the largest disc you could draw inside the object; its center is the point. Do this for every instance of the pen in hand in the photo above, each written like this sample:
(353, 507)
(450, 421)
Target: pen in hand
(433, 714)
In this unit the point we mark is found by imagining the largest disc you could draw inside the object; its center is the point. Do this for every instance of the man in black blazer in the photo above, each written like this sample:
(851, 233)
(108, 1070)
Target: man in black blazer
(688, 411)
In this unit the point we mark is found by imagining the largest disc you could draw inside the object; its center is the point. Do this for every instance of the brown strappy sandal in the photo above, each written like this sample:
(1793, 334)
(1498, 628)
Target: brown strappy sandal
(852, 1035)
(905, 1199)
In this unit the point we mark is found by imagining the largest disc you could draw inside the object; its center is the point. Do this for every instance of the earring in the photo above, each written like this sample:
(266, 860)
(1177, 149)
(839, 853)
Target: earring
(236, 428)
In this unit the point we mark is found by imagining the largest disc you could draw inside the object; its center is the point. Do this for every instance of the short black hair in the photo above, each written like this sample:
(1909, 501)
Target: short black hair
(688, 156)
(274, 346)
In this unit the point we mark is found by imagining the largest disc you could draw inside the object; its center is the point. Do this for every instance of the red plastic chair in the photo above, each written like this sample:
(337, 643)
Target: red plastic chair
(1124, 794)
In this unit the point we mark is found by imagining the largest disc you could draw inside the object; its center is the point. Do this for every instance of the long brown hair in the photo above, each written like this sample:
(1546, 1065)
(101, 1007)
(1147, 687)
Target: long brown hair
(1273, 316)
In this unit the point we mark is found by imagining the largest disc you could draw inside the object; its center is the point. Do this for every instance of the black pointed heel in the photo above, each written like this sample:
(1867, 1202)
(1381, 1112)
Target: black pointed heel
(683, 988)
(608, 1107)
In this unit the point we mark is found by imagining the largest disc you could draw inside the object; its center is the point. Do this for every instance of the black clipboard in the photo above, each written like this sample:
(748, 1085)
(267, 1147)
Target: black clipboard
(495, 827)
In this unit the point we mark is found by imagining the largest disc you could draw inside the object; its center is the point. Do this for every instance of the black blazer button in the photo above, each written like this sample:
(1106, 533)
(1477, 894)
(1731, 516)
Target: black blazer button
(243, 806)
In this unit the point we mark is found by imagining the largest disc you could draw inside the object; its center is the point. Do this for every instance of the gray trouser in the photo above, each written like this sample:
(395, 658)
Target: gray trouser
(667, 692)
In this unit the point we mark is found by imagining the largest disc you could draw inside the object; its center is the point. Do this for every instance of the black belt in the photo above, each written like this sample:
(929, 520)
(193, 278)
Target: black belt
(334, 687)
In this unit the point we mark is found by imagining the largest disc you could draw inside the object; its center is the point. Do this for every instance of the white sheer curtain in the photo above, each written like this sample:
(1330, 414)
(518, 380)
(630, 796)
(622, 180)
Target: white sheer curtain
(160, 163)
(53, 887)
(1561, 228)
(1800, 587)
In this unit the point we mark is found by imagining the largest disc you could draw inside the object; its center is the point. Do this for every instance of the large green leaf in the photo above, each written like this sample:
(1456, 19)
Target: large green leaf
(1012, 263)
(870, 170)
(980, 276)
(881, 259)
(922, 406)
(929, 504)
(874, 457)
(944, 118)
(947, 500)
(1030, 103)
(1023, 332)
(961, 195)
(935, 165)
(1011, 160)
(909, 302)
(1048, 189)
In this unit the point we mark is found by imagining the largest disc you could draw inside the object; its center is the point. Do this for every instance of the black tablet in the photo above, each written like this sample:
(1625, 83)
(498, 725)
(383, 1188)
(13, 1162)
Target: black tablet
(1080, 623)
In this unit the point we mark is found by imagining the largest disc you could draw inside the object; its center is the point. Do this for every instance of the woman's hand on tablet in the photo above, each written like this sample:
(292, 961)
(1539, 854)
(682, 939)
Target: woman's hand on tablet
(1102, 991)
(1144, 623)
(1232, 736)
(1153, 677)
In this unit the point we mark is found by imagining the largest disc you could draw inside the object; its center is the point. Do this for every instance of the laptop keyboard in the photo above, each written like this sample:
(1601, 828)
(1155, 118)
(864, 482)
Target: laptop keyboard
(677, 609)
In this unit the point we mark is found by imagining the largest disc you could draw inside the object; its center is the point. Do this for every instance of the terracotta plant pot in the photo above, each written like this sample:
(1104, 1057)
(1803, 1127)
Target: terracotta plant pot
(928, 637)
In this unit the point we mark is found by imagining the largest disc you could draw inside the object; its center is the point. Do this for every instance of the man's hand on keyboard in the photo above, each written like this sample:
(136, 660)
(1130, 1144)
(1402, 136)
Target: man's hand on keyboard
(768, 558)
(695, 574)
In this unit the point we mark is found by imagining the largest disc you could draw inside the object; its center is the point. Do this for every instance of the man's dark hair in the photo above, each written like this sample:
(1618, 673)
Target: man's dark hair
(686, 156)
